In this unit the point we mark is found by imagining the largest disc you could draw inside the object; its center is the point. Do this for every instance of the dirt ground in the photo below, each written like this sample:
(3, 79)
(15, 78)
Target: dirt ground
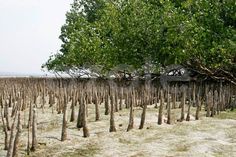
(205, 137)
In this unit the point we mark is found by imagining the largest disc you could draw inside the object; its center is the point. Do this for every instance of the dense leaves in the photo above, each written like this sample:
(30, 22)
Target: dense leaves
(126, 36)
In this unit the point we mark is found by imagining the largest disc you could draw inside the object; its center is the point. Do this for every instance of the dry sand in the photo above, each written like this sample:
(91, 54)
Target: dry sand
(205, 137)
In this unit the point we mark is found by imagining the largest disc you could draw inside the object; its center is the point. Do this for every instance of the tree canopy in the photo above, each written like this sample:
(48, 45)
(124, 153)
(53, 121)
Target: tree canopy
(129, 35)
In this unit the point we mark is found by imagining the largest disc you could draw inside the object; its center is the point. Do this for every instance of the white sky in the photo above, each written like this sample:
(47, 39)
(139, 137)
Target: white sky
(29, 31)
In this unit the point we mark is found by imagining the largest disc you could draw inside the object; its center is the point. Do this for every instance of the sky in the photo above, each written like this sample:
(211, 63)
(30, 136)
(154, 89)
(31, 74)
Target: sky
(29, 31)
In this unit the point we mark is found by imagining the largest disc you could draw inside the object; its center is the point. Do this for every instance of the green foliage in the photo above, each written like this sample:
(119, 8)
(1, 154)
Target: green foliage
(195, 33)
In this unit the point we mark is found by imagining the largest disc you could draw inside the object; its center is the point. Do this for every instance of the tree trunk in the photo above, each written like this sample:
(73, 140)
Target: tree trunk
(194, 94)
(72, 116)
(5, 132)
(168, 106)
(223, 100)
(188, 114)
(107, 104)
(73, 104)
(34, 132)
(29, 126)
(116, 101)
(43, 97)
(6, 114)
(97, 116)
(17, 138)
(143, 116)
(80, 113)
(112, 121)
(85, 128)
(11, 142)
(208, 104)
(161, 107)
(131, 115)
(158, 95)
(50, 99)
(198, 103)
(214, 103)
(126, 100)
(174, 97)
(121, 99)
(183, 104)
(64, 121)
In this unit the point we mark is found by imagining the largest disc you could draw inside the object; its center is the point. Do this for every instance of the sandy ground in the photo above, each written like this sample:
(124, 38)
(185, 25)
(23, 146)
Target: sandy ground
(205, 137)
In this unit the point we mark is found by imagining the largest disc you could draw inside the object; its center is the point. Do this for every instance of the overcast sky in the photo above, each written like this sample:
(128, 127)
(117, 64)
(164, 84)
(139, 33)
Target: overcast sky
(29, 31)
